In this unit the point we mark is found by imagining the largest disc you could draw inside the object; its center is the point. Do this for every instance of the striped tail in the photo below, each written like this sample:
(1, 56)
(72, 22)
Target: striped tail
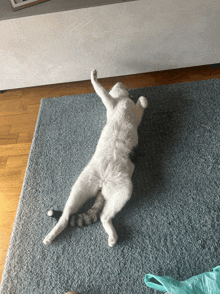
(86, 218)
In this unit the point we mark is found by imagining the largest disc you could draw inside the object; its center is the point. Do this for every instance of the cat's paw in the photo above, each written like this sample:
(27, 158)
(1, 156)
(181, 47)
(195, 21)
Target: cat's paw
(94, 74)
(112, 240)
(47, 240)
(50, 212)
(143, 101)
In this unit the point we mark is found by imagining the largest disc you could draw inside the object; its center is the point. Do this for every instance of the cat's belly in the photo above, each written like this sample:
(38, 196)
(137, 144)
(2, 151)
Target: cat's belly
(117, 140)
(112, 167)
(111, 159)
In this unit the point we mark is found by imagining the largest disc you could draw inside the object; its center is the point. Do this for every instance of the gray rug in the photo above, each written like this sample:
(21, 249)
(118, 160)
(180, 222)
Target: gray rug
(170, 227)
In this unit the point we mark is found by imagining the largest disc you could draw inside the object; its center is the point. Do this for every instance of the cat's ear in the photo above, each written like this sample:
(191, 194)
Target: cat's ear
(140, 106)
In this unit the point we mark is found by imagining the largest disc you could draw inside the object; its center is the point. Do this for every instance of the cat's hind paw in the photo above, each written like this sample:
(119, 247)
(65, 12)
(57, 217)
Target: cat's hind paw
(47, 240)
(112, 241)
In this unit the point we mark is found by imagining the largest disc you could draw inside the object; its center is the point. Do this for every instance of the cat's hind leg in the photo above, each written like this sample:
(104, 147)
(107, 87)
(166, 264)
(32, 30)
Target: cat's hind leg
(115, 201)
(60, 226)
(84, 188)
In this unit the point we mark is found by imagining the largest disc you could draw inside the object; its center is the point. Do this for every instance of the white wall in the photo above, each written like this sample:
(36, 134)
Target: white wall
(119, 39)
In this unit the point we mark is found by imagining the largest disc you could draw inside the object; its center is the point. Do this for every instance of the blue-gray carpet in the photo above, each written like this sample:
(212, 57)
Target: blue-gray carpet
(170, 227)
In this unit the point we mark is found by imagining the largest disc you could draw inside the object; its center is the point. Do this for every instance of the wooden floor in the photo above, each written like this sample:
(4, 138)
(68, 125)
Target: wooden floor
(18, 115)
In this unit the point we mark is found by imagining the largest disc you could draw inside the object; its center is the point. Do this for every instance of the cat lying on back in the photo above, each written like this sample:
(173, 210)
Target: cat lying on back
(109, 172)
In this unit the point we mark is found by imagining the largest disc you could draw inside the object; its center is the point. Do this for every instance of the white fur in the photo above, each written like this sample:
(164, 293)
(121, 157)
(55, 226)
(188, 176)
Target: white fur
(110, 168)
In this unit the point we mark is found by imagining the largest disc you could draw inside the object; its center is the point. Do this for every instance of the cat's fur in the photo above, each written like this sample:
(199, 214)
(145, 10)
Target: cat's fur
(110, 168)
(83, 219)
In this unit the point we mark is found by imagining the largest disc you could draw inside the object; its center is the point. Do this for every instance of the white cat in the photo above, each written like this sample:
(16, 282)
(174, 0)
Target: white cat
(110, 168)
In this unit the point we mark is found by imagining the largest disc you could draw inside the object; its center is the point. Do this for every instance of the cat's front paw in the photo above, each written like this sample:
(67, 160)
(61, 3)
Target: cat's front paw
(94, 74)
(47, 240)
(143, 101)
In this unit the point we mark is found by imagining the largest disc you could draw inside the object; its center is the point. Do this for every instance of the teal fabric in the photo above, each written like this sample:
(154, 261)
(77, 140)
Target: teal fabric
(169, 227)
(206, 283)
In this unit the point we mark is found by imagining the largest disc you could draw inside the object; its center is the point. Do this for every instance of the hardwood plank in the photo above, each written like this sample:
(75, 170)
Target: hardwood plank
(16, 161)
(8, 139)
(4, 130)
(15, 149)
(33, 108)
(6, 225)
(31, 101)
(11, 95)
(10, 175)
(25, 118)
(9, 107)
(11, 189)
(10, 205)
(3, 161)
(25, 137)
(20, 127)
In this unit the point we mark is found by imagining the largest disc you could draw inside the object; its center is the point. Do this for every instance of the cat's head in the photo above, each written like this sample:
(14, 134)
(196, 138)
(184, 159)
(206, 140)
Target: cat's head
(118, 90)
